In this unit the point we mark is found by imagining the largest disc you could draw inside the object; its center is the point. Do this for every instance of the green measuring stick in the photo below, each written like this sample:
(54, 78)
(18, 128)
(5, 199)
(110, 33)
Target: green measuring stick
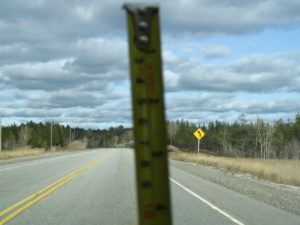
(148, 115)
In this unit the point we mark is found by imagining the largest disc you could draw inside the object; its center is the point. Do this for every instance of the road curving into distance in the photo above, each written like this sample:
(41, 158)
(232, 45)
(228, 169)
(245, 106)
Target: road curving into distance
(98, 187)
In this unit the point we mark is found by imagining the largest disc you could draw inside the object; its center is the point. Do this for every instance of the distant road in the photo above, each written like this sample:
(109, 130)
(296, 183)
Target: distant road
(98, 187)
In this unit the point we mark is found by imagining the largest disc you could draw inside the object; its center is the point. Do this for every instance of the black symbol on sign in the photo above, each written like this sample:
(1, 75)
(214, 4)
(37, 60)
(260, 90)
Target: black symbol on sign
(200, 135)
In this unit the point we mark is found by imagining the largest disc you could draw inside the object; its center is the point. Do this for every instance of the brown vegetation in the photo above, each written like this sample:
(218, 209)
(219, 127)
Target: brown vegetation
(76, 145)
(26, 151)
(276, 170)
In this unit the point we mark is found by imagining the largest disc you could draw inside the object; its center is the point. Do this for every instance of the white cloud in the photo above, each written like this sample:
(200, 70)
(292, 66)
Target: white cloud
(67, 61)
(206, 17)
(215, 51)
(170, 58)
(97, 55)
(255, 73)
(171, 79)
(86, 13)
(38, 76)
(224, 106)
(194, 49)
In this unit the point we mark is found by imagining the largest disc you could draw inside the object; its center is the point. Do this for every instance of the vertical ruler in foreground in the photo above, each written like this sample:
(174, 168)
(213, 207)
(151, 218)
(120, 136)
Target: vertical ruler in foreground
(148, 114)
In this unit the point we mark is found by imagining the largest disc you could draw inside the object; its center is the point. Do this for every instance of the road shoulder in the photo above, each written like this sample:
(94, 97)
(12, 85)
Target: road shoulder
(285, 197)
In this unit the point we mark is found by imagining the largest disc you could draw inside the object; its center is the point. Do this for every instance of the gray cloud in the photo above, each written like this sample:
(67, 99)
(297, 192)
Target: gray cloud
(101, 115)
(57, 21)
(206, 17)
(254, 73)
(99, 55)
(73, 98)
(224, 106)
(215, 51)
(66, 61)
(29, 112)
(58, 74)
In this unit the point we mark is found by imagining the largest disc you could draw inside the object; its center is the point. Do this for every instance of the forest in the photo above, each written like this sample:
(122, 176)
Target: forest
(241, 138)
(42, 135)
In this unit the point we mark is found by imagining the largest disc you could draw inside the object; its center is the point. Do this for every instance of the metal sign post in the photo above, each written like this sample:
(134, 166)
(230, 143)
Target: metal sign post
(199, 134)
(148, 114)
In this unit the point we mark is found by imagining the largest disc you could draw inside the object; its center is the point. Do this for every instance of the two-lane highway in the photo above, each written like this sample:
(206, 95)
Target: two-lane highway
(101, 194)
(98, 187)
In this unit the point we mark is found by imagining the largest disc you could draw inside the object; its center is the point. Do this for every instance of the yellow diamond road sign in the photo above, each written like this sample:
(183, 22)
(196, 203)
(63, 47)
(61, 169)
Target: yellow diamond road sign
(199, 133)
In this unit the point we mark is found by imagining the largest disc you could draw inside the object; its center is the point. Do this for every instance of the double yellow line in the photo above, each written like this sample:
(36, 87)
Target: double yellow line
(37, 196)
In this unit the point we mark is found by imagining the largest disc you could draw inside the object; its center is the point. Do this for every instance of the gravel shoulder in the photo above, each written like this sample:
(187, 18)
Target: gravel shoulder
(282, 196)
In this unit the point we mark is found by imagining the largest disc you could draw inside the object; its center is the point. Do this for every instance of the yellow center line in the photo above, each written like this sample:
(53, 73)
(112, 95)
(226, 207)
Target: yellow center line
(40, 195)
(35, 194)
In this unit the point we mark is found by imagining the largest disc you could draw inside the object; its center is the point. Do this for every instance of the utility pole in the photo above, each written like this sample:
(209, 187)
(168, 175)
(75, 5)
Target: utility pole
(104, 142)
(0, 132)
(51, 139)
(148, 114)
(70, 135)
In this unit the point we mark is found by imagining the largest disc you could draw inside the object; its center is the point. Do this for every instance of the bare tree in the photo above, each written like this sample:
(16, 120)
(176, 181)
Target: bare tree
(172, 131)
(23, 136)
(225, 142)
(264, 138)
(291, 150)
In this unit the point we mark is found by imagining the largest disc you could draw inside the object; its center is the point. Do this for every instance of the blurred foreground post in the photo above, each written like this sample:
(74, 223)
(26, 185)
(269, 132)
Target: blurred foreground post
(148, 114)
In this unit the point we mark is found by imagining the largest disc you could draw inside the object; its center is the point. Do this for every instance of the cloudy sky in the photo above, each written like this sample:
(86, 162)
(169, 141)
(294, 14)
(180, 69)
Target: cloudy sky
(67, 61)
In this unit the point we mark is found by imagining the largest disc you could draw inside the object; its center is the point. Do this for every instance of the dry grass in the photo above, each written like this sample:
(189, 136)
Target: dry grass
(76, 145)
(279, 171)
(27, 151)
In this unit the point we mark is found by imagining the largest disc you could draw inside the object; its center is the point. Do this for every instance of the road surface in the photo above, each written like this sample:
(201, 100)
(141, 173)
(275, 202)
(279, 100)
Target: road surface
(98, 187)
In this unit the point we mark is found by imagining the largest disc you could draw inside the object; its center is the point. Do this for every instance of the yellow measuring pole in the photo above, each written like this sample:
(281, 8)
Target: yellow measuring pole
(148, 114)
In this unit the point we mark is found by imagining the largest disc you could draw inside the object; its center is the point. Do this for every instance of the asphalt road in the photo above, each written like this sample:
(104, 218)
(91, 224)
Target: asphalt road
(98, 187)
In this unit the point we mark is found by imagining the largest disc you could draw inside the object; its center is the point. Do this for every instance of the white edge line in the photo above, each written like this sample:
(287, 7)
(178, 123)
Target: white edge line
(207, 202)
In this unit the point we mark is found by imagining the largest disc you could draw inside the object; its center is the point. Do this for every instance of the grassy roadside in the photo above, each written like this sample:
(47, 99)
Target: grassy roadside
(76, 145)
(21, 152)
(28, 151)
(276, 170)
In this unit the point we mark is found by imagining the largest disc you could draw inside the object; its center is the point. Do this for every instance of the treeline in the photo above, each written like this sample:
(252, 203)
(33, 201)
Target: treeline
(42, 135)
(241, 138)
(112, 137)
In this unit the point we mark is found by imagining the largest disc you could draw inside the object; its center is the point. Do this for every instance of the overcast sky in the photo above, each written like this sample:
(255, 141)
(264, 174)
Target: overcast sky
(67, 61)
